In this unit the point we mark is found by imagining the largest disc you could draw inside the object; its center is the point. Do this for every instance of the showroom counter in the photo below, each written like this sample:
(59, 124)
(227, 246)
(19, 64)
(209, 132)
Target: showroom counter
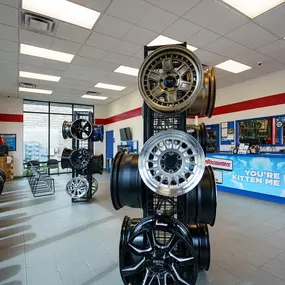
(257, 175)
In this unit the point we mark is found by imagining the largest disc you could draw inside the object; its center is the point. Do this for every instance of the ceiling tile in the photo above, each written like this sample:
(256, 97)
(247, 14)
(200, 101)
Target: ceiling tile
(223, 83)
(139, 54)
(226, 47)
(8, 33)
(65, 46)
(215, 16)
(129, 10)
(251, 73)
(40, 62)
(209, 58)
(250, 57)
(115, 58)
(41, 70)
(113, 27)
(133, 62)
(273, 20)
(178, 7)
(251, 35)
(98, 5)
(274, 50)
(181, 30)
(8, 46)
(157, 19)
(271, 65)
(13, 3)
(84, 61)
(8, 56)
(111, 44)
(72, 33)
(36, 39)
(120, 79)
(94, 53)
(109, 66)
(8, 15)
(9, 72)
(202, 38)
(8, 65)
(140, 36)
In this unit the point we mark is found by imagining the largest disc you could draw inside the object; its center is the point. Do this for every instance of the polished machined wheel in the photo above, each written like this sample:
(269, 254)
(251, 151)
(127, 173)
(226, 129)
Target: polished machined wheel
(146, 259)
(77, 187)
(80, 158)
(66, 130)
(170, 79)
(81, 129)
(171, 163)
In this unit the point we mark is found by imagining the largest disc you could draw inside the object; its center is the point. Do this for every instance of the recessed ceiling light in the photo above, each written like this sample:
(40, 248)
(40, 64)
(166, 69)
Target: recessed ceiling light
(127, 70)
(45, 77)
(31, 90)
(94, 97)
(110, 86)
(162, 40)
(233, 66)
(253, 8)
(46, 53)
(63, 10)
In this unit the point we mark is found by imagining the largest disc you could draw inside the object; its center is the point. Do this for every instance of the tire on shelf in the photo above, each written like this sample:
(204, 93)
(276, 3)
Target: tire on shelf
(65, 130)
(65, 158)
(96, 164)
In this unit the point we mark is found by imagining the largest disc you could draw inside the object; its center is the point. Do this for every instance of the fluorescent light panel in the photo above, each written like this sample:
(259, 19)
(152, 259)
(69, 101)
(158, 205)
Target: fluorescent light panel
(31, 90)
(46, 53)
(127, 70)
(63, 10)
(233, 66)
(253, 8)
(94, 97)
(39, 76)
(110, 86)
(163, 40)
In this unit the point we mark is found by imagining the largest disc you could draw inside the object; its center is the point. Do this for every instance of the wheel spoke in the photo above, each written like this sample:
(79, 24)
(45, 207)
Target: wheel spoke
(151, 239)
(131, 270)
(154, 76)
(138, 250)
(147, 279)
(172, 243)
(157, 91)
(167, 65)
(182, 69)
(171, 96)
(185, 86)
(177, 276)
(182, 259)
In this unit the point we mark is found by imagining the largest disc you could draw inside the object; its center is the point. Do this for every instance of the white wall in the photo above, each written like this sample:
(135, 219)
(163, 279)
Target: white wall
(13, 106)
(127, 103)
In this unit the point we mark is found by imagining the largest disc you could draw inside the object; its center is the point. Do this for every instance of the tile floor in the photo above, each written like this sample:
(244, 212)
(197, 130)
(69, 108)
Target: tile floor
(50, 241)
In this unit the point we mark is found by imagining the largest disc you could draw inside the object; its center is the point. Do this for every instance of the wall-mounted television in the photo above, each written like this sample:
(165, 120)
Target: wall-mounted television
(125, 134)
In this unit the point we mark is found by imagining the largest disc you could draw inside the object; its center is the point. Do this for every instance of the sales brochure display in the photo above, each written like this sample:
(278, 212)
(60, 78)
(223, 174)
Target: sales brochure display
(168, 180)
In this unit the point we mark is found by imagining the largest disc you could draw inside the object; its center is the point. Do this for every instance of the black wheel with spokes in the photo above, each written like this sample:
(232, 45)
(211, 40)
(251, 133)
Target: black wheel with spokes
(159, 251)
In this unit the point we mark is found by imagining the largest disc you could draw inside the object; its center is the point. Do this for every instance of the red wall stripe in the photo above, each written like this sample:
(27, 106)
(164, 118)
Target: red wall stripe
(15, 118)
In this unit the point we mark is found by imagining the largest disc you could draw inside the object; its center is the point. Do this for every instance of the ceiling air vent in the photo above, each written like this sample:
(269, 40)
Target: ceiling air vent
(27, 85)
(93, 93)
(37, 23)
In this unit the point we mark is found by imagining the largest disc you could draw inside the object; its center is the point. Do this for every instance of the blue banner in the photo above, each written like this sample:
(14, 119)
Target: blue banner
(254, 173)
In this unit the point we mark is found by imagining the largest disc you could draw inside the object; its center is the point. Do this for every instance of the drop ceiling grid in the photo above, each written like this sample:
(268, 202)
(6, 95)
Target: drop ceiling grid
(128, 28)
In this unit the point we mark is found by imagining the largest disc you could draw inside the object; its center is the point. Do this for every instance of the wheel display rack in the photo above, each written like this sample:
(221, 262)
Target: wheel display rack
(168, 180)
(80, 158)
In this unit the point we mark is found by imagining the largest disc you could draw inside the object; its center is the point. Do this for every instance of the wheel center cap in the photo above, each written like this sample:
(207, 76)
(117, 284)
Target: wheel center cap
(170, 81)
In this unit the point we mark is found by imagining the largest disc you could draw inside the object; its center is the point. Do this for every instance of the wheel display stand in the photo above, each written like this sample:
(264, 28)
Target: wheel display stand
(81, 157)
(168, 180)
(87, 144)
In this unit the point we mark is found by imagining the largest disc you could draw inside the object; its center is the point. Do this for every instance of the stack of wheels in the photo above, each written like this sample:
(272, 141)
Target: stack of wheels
(145, 258)
(2, 180)
(160, 249)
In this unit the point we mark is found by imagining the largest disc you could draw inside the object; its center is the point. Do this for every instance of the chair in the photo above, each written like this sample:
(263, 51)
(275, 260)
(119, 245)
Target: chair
(52, 164)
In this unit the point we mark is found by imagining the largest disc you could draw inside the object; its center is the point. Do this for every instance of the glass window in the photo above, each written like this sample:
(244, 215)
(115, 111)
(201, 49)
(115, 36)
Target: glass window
(84, 108)
(61, 108)
(35, 137)
(35, 106)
